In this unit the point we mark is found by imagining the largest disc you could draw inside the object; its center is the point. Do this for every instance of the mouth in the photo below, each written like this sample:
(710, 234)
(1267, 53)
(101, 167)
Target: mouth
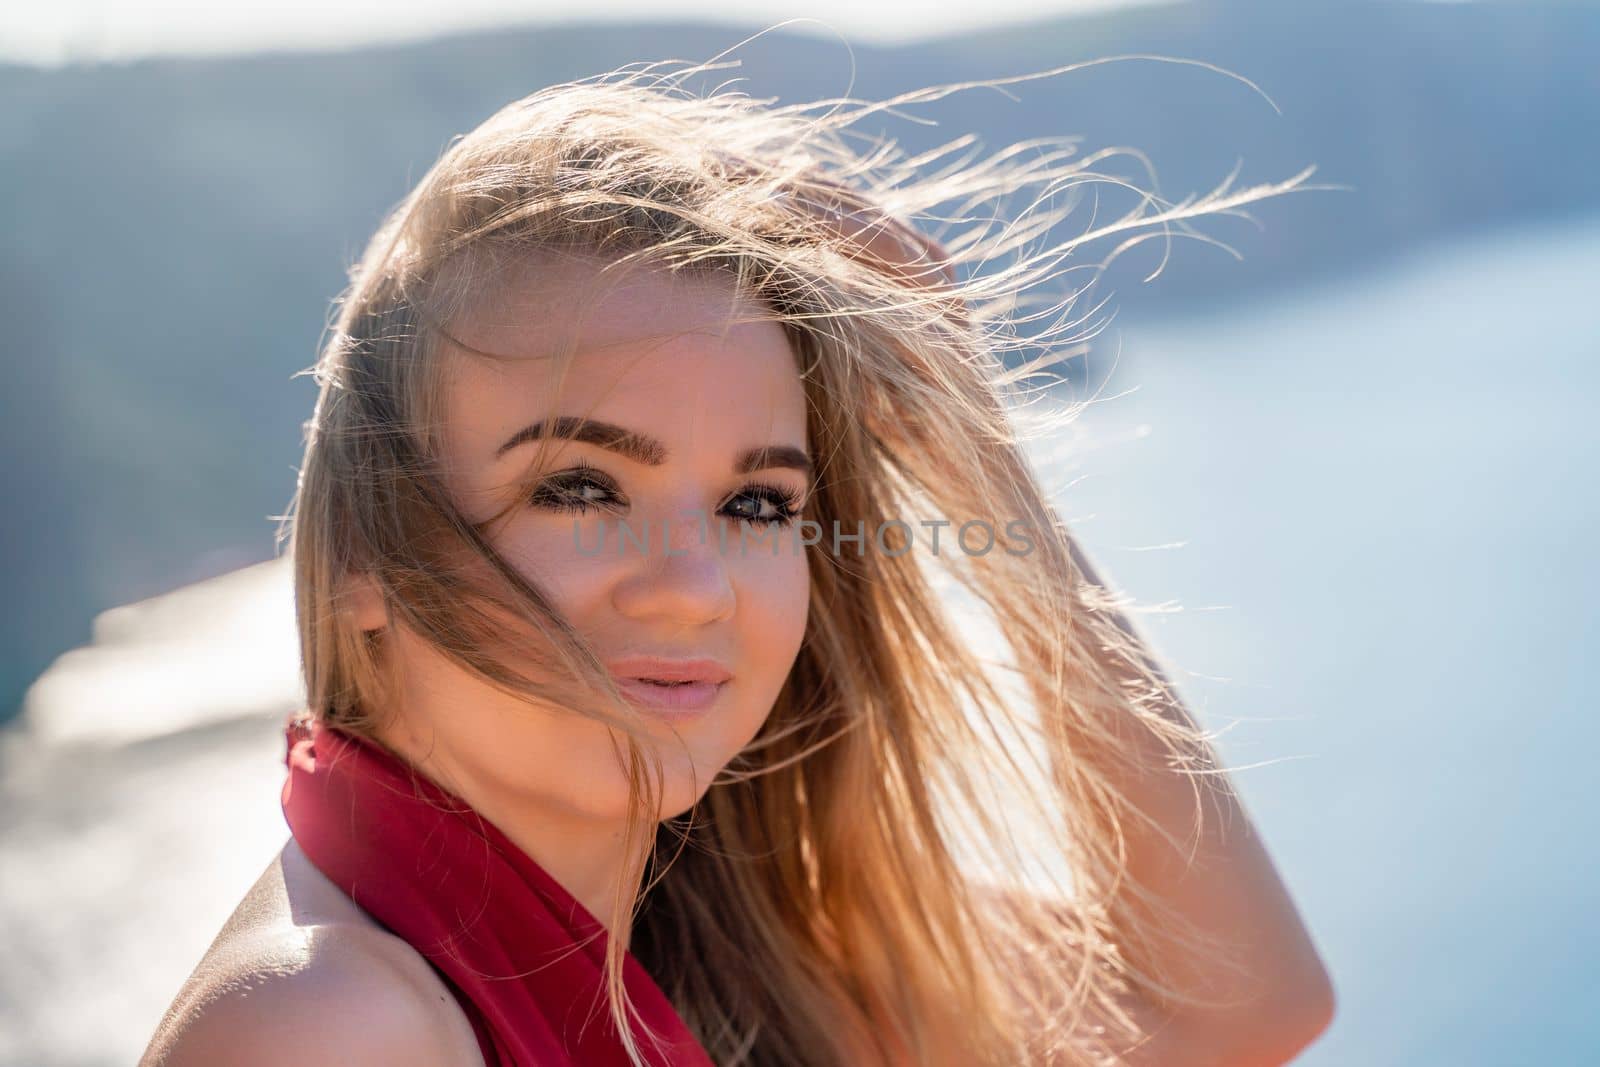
(670, 696)
(676, 687)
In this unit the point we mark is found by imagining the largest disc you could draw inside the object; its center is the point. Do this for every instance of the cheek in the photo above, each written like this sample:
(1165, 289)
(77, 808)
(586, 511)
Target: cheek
(549, 555)
(774, 596)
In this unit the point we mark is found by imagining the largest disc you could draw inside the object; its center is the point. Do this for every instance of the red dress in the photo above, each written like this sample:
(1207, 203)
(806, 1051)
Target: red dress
(523, 957)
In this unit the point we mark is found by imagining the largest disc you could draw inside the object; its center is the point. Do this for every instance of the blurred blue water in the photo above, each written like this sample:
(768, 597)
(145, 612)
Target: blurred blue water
(1387, 493)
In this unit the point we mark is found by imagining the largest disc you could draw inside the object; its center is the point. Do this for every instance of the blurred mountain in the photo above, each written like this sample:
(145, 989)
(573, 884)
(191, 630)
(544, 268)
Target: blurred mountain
(176, 228)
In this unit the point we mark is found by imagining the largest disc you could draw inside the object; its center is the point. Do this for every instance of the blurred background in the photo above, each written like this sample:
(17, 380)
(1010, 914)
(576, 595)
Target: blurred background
(1346, 462)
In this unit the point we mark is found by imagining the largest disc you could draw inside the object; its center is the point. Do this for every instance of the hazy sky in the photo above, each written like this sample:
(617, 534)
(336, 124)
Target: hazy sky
(50, 32)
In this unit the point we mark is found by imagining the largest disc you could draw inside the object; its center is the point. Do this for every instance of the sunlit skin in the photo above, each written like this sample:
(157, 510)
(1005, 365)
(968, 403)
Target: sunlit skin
(656, 356)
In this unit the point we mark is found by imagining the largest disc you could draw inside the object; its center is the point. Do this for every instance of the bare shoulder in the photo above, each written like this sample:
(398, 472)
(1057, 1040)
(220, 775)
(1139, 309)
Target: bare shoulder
(299, 968)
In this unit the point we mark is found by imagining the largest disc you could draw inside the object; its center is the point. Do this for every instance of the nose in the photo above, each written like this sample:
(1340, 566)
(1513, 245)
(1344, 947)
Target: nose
(683, 578)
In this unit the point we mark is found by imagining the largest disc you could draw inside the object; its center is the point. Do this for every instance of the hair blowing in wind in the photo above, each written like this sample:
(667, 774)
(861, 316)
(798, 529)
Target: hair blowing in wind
(832, 890)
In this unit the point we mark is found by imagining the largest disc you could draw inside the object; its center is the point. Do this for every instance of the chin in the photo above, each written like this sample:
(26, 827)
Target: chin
(683, 785)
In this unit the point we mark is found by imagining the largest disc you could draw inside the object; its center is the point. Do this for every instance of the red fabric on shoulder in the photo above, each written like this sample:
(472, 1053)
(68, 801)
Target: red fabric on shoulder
(524, 958)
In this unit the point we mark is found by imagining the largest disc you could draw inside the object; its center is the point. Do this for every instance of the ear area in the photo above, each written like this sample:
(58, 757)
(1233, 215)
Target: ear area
(363, 601)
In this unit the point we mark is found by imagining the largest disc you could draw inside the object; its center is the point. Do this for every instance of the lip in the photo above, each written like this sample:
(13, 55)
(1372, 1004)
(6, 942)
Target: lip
(668, 669)
(700, 680)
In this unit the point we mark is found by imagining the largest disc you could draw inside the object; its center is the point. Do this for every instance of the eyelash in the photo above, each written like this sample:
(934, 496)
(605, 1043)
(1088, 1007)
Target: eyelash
(555, 493)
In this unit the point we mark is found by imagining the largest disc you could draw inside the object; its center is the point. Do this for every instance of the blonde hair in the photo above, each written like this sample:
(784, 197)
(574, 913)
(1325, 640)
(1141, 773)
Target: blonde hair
(829, 891)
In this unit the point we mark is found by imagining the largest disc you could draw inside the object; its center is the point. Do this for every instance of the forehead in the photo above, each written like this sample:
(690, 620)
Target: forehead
(680, 357)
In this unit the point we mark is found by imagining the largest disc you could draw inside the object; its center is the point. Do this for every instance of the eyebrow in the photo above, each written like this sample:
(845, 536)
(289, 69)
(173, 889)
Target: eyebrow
(641, 448)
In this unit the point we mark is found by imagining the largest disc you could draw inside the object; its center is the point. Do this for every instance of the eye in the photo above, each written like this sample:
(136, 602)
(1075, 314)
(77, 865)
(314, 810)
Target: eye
(761, 504)
(577, 489)
(582, 487)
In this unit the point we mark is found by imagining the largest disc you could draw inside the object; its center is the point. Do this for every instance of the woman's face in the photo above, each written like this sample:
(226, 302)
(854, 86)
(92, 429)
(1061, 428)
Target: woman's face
(707, 425)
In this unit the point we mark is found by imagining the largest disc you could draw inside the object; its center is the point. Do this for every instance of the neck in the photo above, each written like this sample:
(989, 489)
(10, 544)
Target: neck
(585, 856)
(582, 854)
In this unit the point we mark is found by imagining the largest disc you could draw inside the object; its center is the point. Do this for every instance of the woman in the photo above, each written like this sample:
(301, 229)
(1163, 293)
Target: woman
(637, 732)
